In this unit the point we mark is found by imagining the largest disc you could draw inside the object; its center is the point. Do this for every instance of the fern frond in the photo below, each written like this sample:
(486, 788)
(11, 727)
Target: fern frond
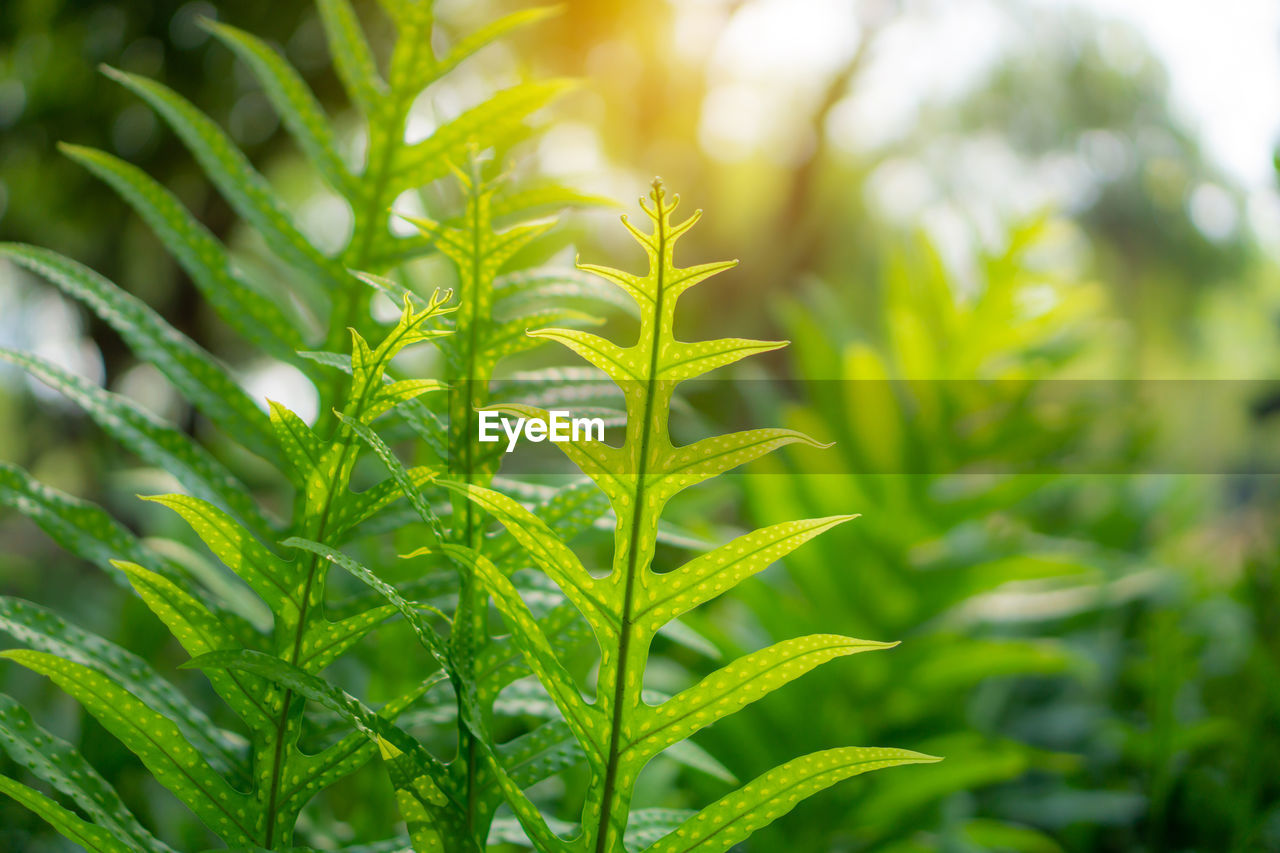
(302, 636)
(296, 105)
(155, 739)
(620, 732)
(81, 527)
(46, 632)
(236, 299)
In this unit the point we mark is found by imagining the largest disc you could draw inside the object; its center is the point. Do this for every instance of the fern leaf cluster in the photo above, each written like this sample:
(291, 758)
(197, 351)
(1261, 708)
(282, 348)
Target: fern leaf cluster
(618, 732)
(260, 624)
(248, 786)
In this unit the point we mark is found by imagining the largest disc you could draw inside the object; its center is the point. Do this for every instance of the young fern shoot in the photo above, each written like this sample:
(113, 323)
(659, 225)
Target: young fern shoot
(618, 732)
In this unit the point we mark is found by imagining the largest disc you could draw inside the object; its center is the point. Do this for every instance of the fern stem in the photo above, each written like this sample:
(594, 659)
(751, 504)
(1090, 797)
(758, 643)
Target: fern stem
(346, 312)
(633, 550)
(336, 485)
(471, 609)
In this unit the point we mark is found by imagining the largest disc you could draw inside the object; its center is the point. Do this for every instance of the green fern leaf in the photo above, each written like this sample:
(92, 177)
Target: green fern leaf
(620, 732)
(425, 633)
(155, 739)
(57, 763)
(83, 528)
(733, 818)
(144, 434)
(648, 825)
(478, 251)
(498, 118)
(201, 632)
(732, 688)
(706, 576)
(243, 186)
(273, 579)
(533, 643)
(566, 511)
(470, 44)
(270, 667)
(316, 772)
(48, 633)
(93, 838)
(238, 302)
(352, 55)
(543, 288)
(361, 506)
(296, 105)
(192, 370)
(426, 790)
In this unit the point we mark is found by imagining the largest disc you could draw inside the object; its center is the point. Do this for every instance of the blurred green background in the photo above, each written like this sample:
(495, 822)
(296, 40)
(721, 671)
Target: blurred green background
(997, 197)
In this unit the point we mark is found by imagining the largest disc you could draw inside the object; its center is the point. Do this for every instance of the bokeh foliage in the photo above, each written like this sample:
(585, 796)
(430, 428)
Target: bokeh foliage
(1096, 655)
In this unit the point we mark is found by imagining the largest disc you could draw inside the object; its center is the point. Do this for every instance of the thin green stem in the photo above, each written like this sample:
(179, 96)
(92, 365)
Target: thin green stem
(335, 486)
(468, 601)
(347, 308)
(633, 553)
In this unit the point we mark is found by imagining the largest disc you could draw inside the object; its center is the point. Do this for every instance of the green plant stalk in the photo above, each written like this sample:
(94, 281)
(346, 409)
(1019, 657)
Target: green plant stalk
(478, 251)
(322, 485)
(315, 526)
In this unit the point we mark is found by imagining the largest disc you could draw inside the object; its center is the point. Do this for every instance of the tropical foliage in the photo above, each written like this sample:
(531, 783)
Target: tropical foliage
(262, 588)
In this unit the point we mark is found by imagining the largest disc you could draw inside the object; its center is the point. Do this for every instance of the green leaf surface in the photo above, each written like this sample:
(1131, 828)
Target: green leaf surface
(276, 582)
(733, 687)
(293, 101)
(238, 302)
(148, 436)
(717, 571)
(193, 371)
(242, 186)
(492, 121)
(200, 632)
(534, 645)
(59, 764)
(41, 629)
(470, 44)
(83, 528)
(154, 738)
(352, 55)
(733, 818)
(92, 838)
(426, 634)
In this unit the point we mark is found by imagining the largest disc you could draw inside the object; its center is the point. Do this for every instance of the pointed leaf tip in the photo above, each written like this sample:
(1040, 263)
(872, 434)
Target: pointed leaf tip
(387, 749)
